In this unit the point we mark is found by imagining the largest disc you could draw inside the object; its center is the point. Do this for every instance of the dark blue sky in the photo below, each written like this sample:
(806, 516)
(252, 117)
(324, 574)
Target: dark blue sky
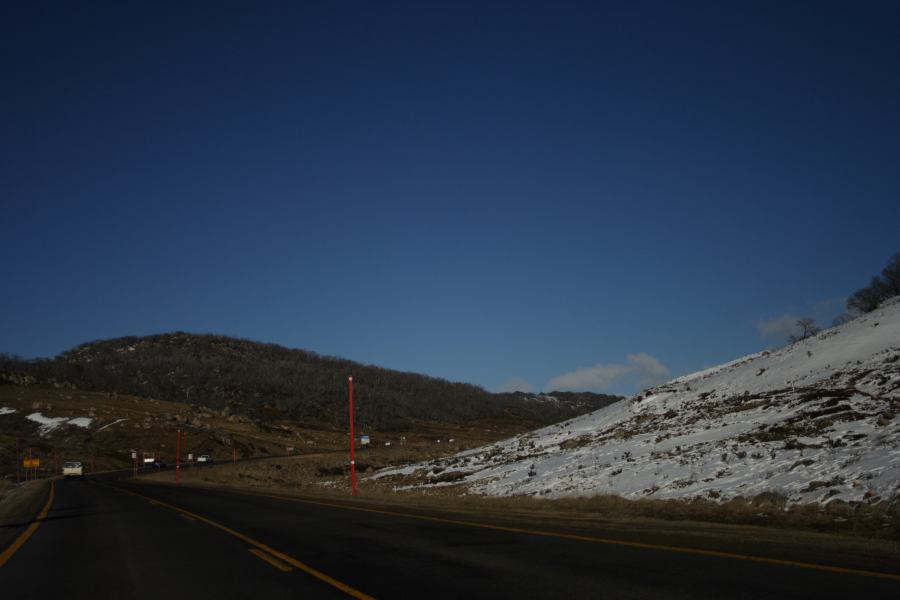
(481, 191)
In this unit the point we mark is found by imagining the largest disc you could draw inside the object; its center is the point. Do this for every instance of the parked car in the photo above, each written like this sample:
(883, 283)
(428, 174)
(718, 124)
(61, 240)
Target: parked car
(73, 469)
(204, 458)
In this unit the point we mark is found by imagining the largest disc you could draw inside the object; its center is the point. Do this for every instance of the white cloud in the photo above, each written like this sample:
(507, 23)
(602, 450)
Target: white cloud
(516, 384)
(640, 369)
(598, 377)
(649, 370)
(781, 327)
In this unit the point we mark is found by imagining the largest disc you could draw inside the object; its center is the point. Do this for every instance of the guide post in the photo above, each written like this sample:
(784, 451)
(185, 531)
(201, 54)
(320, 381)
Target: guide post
(352, 457)
(178, 457)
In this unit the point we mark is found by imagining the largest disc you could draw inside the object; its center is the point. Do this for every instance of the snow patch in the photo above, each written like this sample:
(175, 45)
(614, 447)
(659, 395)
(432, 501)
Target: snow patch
(5, 410)
(49, 424)
(111, 424)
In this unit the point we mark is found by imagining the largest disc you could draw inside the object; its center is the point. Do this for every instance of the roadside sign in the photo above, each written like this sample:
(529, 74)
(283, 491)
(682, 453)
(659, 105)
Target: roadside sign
(31, 463)
(133, 454)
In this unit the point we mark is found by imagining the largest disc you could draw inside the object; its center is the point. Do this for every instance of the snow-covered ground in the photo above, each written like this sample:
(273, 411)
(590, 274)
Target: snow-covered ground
(5, 410)
(81, 421)
(48, 424)
(815, 421)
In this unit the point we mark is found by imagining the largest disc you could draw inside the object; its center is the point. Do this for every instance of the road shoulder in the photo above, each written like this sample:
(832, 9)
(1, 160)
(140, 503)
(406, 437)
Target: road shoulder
(19, 507)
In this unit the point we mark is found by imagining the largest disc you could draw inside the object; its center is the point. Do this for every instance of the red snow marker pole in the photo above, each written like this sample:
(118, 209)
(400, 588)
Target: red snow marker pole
(352, 456)
(178, 457)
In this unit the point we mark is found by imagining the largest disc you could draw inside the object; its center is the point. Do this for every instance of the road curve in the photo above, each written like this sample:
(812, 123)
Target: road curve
(113, 539)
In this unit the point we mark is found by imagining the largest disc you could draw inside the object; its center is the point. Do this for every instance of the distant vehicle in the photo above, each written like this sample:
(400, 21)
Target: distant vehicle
(204, 458)
(73, 469)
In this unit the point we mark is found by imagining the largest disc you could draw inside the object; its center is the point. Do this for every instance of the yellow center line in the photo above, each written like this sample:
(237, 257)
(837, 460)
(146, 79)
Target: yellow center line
(350, 591)
(187, 517)
(271, 560)
(7, 554)
(594, 540)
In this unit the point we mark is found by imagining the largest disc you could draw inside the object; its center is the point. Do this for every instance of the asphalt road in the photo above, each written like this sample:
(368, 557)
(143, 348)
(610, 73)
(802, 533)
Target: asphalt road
(108, 539)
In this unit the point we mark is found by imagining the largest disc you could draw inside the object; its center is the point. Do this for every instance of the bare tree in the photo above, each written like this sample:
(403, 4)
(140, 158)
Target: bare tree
(868, 298)
(890, 276)
(807, 327)
(879, 289)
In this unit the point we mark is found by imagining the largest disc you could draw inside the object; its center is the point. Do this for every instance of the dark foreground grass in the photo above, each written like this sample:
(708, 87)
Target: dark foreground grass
(881, 521)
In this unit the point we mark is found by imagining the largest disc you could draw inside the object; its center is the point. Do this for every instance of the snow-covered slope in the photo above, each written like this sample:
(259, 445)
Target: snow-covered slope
(816, 420)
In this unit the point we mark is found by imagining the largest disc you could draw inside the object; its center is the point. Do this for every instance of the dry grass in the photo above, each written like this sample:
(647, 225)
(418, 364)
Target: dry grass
(315, 473)
(880, 520)
(150, 425)
(122, 423)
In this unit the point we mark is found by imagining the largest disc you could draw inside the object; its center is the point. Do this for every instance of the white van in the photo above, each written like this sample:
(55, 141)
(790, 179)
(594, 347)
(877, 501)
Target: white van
(73, 469)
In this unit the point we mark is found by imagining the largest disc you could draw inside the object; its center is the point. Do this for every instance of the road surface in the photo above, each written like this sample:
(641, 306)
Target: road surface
(103, 538)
